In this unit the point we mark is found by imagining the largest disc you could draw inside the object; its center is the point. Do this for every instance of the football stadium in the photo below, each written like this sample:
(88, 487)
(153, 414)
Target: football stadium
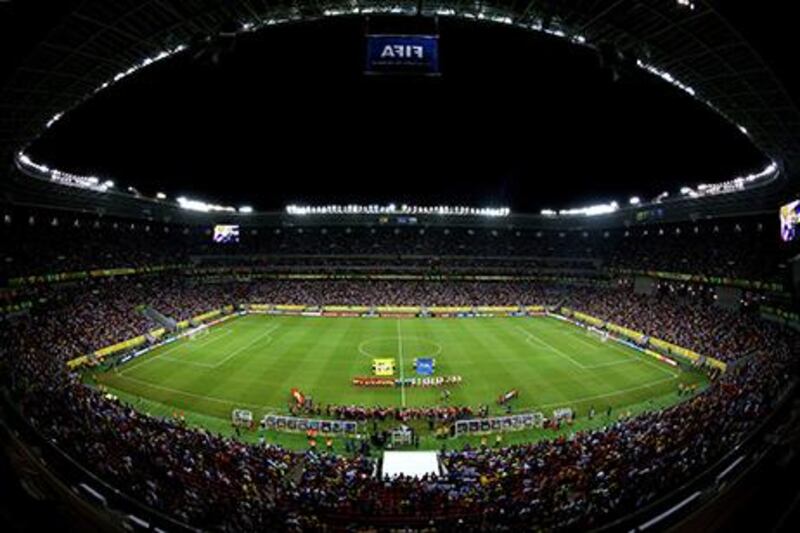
(397, 266)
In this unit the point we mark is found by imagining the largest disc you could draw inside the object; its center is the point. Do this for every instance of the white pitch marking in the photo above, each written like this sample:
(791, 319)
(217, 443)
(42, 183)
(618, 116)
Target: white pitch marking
(402, 364)
(190, 394)
(606, 395)
(184, 361)
(248, 345)
(645, 359)
(181, 344)
(612, 363)
(363, 344)
(213, 338)
(148, 360)
(530, 336)
(614, 345)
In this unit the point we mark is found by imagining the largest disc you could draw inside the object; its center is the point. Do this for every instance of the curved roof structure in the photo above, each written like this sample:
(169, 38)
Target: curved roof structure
(685, 42)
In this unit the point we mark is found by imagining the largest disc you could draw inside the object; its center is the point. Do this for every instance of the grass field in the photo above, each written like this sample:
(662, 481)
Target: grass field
(252, 362)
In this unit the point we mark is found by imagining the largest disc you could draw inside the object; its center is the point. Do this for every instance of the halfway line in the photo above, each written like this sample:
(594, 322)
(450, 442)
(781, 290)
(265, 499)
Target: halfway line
(402, 364)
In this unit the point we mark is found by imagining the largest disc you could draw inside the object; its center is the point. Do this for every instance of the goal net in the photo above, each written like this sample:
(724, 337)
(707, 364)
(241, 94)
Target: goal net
(198, 333)
(598, 334)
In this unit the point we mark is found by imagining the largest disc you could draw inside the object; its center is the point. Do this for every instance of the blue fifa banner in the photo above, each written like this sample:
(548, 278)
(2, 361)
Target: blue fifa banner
(403, 54)
(425, 366)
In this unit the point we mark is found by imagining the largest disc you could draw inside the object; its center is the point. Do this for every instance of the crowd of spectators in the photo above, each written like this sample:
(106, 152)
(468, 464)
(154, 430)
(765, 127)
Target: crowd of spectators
(217, 483)
(734, 250)
(379, 413)
(109, 310)
(690, 321)
(43, 242)
(206, 480)
(428, 293)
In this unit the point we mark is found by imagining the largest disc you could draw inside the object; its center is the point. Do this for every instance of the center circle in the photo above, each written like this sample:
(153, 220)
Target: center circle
(377, 347)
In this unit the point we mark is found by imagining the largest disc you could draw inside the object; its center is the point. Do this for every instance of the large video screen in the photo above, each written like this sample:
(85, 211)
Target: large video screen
(226, 234)
(402, 54)
(790, 220)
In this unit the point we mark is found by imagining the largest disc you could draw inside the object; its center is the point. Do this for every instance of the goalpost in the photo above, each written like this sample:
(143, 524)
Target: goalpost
(599, 334)
(198, 333)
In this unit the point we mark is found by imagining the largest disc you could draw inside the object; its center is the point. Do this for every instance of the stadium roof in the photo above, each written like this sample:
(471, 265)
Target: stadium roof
(685, 42)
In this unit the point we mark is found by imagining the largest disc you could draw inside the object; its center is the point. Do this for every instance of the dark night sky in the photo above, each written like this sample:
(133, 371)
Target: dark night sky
(516, 119)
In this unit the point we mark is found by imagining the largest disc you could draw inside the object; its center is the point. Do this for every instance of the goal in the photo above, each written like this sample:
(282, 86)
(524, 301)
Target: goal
(197, 333)
(598, 334)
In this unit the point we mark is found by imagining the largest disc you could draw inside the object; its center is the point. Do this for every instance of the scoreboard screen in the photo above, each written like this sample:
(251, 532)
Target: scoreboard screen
(403, 54)
(790, 220)
(224, 234)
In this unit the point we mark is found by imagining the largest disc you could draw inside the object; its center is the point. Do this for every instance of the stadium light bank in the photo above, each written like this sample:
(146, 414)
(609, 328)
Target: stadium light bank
(392, 209)
(203, 207)
(738, 184)
(589, 211)
(93, 183)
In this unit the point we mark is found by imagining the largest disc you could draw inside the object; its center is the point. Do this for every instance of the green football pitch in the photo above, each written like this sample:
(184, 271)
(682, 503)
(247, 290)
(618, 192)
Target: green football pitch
(253, 362)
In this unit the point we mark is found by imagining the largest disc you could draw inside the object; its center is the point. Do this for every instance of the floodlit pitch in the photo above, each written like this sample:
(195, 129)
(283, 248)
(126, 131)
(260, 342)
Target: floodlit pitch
(253, 362)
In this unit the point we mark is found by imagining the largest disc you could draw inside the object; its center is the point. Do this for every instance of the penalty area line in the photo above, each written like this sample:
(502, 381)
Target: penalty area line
(213, 338)
(185, 393)
(145, 360)
(267, 333)
(530, 336)
(606, 395)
